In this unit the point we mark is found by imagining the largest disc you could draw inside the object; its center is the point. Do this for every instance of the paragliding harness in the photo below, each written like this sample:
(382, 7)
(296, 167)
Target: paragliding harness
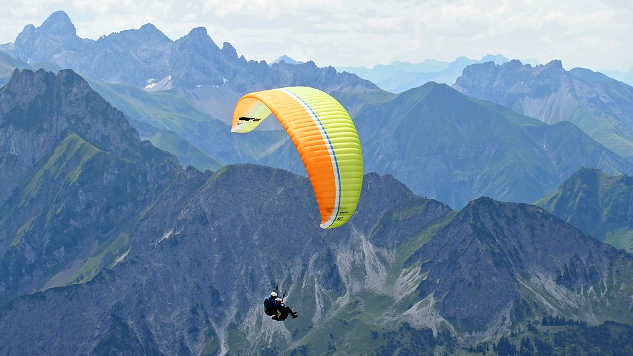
(278, 313)
(269, 308)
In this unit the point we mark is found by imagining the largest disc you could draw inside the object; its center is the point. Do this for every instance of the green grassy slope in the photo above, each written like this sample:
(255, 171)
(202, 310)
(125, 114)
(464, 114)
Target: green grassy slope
(598, 204)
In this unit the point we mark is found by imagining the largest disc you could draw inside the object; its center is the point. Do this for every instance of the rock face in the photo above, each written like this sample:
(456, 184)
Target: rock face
(495, 257)
(182, 284)
(37, 109)
(73, 172)
(597, 104)
(55, 41)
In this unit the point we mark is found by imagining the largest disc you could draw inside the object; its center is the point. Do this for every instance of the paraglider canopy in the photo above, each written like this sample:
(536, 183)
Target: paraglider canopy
(326, 138)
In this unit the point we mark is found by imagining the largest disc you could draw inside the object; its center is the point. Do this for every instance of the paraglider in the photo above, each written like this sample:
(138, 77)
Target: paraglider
(325, 137)
(274, 306)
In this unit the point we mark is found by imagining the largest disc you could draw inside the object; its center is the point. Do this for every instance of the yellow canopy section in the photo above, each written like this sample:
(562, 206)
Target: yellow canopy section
(326, 138)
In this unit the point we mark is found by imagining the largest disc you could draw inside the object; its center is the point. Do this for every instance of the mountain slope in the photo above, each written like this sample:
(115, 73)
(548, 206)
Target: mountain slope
(598, 204)
(182, 285)
(108, 245)
(188, 154)
(193, 245)
(595, 103)
(36, 109)
(73, 174)
(9, 64)
(509, 258)
(445, 145)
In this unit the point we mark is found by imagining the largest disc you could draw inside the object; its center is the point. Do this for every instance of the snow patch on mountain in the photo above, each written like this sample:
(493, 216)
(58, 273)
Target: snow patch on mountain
(163, 84)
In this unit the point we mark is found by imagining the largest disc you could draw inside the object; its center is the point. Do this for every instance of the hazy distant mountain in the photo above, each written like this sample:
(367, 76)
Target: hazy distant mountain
(188, 154)
(598, 204)
(382, 72)
(448, 146)
(597, 104)
(55, 41)
(170, 114)
(211, 76)
(401, 76)
(626, 77)
(150, 259)
(286, 59)
(8, 64)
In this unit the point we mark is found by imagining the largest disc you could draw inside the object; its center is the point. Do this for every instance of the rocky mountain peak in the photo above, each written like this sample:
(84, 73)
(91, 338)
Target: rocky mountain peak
(35, 82)
(513, 245)
(229, 51)
(148, 27)
(553, 70)
(556, 63)
(431, 91)
(497, 58)
(504, 83)
(58, 23)
(55, 37)
(150, 31)
(38, 108)
(440, 90)
(513, 64)
(29, 30)
(58, 135)
(286, 59)
(199, 38)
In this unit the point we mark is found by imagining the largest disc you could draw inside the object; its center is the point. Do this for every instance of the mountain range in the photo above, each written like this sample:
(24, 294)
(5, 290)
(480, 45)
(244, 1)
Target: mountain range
(516, 159)
(600, 106)
(186, 87)
(454, 148)
(398, 76)
(287, 59)
(148, 59)
(402, 76)
(107, 246)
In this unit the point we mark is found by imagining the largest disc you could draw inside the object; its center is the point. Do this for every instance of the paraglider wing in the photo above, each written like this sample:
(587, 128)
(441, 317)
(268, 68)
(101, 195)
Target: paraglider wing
(326, 138)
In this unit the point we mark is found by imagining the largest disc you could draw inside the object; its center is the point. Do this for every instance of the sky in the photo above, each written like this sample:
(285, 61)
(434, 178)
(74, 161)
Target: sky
(594, 34)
